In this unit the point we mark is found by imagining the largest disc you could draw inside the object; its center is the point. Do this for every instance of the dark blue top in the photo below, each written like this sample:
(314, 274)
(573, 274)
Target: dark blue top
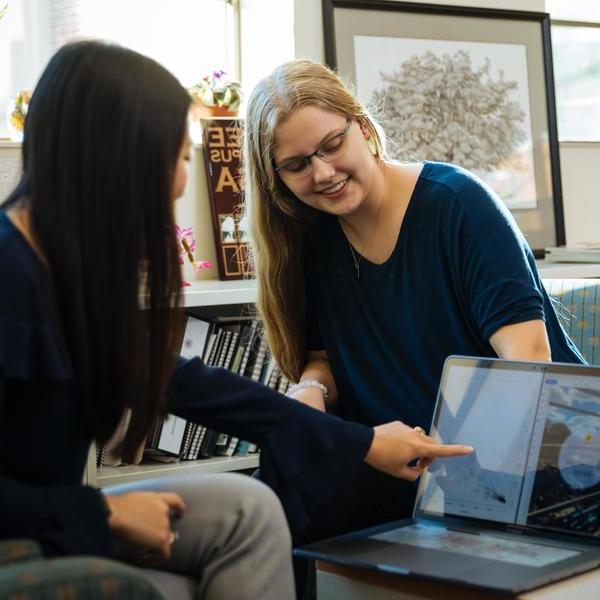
(43, 449)
(460, 270)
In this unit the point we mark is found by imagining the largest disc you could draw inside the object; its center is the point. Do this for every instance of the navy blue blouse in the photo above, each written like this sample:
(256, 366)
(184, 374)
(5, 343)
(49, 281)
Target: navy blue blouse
(43, 449)
(460, 270)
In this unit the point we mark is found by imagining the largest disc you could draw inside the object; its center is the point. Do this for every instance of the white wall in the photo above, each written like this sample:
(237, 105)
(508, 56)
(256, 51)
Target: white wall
(274, 31)
(308, 21)
(579, 162)
(267, 37)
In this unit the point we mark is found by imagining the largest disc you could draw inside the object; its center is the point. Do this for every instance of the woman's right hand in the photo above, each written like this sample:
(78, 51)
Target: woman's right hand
(143, 519)
(395, 445)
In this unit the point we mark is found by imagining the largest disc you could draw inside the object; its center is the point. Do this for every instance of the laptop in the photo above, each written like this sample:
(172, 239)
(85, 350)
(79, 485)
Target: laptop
(522, 510)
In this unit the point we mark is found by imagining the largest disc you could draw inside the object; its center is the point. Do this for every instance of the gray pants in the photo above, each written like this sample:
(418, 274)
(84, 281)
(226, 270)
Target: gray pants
(233, 540)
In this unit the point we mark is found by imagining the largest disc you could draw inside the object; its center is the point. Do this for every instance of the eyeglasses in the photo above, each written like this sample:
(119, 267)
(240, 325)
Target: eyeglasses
(301, 166)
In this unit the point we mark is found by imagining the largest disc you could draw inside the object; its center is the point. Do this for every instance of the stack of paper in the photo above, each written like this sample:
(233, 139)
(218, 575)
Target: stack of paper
(588, 252)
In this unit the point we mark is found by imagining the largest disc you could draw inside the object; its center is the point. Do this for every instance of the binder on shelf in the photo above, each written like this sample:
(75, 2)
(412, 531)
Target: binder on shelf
(210, 344)
(190, 427)
(216, 348)
(195, 337)
(257, 358)
(226, 445)
(220, 360)
(107, 454)
(248, 340)
(236, 361)
(221, 139)
(243, 448)
(269, 372)
(207, 446)
(233, 342)
(171, 437)
(221, 444)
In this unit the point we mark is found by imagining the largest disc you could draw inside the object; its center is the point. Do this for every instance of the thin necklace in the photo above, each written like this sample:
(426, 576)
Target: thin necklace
(360, 256)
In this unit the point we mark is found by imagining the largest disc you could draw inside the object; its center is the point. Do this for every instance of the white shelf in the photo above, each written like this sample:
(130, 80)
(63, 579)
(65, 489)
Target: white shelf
(217, 293)
(200, 293)
(551, 270)
(126, 474)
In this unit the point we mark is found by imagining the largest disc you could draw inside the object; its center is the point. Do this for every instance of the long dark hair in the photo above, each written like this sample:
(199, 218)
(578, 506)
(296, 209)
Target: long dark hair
(103, 132)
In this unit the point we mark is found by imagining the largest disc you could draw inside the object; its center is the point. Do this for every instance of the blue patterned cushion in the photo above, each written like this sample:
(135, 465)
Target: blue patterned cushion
(577, 302)
(75, 579)
(12, 551)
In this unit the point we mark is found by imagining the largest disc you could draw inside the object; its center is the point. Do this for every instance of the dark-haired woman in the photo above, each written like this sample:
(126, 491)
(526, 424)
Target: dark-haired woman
(89, 225)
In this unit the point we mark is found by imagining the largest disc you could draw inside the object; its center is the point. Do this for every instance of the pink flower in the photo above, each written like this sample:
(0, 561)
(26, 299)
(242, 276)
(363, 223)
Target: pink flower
(203, 264)
(186, 244)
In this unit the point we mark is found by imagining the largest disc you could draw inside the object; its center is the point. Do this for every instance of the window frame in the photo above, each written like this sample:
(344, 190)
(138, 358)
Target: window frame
(572, 23)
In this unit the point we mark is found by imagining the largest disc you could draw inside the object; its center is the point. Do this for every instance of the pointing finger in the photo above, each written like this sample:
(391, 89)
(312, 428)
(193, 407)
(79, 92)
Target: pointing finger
(441, 450)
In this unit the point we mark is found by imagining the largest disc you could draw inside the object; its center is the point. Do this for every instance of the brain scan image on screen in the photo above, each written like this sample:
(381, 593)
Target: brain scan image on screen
(579, 456)
(566, 490)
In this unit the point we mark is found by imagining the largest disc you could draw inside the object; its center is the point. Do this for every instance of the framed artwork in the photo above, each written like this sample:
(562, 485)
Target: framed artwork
(469, 86)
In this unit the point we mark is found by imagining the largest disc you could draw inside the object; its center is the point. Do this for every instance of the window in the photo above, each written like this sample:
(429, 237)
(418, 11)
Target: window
(190, 37)
(576, 53)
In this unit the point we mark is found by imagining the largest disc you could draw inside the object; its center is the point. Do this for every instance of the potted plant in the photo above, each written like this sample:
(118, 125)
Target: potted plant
(186, 246)
(17, 112)
(217, 95)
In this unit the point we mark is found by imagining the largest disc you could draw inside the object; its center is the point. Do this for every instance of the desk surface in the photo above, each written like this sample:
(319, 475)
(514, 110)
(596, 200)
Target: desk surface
(550, 270)
(335, 582)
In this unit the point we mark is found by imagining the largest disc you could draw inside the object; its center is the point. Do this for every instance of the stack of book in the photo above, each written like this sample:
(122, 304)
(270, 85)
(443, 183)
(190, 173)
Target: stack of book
(238, 345)
(577, 253)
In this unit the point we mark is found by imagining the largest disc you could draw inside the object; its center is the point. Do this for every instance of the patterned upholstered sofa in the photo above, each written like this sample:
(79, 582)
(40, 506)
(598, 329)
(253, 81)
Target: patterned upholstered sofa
(25, 574)
(577, 302)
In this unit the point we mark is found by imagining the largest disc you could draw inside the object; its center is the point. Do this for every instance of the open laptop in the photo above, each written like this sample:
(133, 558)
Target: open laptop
(522, 510)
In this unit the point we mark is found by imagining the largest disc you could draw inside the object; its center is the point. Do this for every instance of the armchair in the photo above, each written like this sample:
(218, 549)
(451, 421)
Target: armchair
(577, 303)
(26, 575)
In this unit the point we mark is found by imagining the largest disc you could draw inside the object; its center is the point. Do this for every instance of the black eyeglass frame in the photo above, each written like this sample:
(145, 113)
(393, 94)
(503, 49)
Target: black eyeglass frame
(306, 159)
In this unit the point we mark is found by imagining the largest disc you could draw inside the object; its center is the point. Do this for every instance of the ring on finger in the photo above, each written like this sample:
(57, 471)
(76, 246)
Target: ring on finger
(420, 430)
(174, 536)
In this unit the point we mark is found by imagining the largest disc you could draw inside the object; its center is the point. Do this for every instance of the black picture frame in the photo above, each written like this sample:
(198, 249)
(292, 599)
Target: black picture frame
(355, 29)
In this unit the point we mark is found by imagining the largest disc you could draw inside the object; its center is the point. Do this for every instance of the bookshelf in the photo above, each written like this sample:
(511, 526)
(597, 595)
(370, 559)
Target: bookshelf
(128, 473)
(217, 295)
(224, 296)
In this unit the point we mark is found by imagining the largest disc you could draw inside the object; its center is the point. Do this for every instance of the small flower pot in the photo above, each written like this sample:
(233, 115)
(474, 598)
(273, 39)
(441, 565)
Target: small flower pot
(207, 112)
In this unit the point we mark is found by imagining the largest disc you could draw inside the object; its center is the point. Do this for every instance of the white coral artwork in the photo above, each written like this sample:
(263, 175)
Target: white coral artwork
(465, 103)
(444, 108)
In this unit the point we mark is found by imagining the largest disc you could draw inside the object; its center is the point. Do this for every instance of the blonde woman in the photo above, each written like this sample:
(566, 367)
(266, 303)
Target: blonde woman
(372, 272)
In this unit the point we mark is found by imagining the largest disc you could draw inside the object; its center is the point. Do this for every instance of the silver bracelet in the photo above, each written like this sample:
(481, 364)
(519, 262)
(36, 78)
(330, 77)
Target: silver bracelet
(305, 383)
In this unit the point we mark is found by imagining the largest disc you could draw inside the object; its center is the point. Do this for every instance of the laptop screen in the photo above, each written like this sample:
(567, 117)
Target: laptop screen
(536, 432)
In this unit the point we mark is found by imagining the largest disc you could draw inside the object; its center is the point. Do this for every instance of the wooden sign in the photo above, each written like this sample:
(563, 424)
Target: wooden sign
(222, 153)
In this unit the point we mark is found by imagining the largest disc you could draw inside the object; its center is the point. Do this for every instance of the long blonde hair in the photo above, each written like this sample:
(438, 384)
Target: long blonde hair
(277, 219)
